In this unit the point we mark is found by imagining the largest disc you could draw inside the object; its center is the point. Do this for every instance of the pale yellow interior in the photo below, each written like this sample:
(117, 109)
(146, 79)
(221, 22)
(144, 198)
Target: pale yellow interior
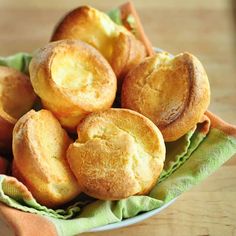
(68, 72)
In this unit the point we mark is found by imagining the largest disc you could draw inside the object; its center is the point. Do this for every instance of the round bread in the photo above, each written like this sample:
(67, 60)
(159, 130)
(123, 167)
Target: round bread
(16, 98)
(173, 92)
(118, 153)
(72, 79)
(39, 149)
(122, 50)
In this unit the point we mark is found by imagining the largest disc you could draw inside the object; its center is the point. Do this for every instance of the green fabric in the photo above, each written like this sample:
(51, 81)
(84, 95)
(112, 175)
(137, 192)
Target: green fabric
(19, 61)
(115, 15)
(12, 195)
(179, 151)
(216, 149)
(189, 160)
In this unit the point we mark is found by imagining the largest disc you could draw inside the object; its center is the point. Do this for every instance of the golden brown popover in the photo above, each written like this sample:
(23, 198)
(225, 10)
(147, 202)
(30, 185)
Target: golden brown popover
(118, 153)
(120, 47)
(16, 98)
(172, 91)
(39, 149)
(72, 79)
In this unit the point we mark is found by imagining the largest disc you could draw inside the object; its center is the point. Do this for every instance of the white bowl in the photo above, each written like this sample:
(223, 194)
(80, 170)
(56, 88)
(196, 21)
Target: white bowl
(132, 220)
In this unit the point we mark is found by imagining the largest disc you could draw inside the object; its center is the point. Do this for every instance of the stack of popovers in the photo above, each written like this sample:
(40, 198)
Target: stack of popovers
(74, 79)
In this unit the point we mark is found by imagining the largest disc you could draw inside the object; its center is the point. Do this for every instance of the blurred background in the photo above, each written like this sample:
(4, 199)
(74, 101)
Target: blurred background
(204, 28)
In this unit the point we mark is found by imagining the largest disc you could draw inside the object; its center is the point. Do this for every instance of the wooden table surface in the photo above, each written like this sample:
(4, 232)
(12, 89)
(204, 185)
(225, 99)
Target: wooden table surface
(204, 28)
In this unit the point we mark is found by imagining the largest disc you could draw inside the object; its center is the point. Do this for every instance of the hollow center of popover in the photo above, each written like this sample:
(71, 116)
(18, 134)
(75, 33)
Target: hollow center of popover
(69, 73)
(164, 92)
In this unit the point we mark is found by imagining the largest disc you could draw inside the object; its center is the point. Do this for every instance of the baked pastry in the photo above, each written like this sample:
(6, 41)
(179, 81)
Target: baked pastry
(172, 91)
(120, 47)
(118, 153)
(72, 79)
(16, 98)
(39, 149)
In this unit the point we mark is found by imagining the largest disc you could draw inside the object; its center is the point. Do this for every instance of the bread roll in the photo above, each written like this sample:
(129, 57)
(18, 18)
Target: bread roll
(122, 50)
(39, 148)
(16, 98)
(72, 79)
(118, 153)
(172, 91)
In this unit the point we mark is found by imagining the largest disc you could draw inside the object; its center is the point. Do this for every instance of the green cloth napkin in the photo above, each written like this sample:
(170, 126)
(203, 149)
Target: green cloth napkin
(189, 160)
(19, 61)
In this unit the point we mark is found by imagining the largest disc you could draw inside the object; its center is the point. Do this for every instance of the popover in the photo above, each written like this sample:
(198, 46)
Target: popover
(39, 149)
(118, 153)
(173, 92)
(72, 79)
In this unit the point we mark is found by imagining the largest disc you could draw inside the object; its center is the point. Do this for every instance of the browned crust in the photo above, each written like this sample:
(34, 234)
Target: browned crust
(127, 50)
(128, 53)
(192, 107)
(17, 95)
(14, 85)
(43, 60)
(23, 223)
(118, 153)
(62, 101)
(34, 164)
(197, 103)
(121, 53)
(63, 28)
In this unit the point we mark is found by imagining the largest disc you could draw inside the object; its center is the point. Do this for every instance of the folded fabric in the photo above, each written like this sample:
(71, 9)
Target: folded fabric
(200, 155)
(189, 160)
(19, 61)
(127, 16)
